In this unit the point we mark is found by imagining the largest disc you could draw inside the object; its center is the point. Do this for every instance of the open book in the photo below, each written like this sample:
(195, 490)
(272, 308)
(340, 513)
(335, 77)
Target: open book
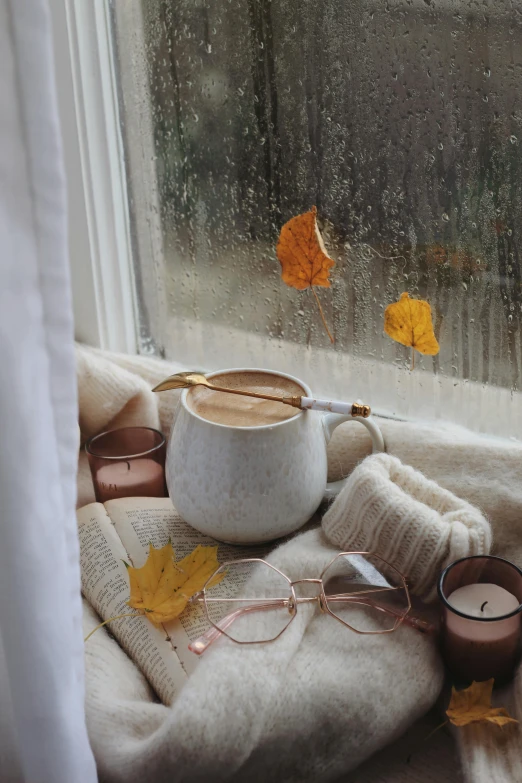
(118, 531)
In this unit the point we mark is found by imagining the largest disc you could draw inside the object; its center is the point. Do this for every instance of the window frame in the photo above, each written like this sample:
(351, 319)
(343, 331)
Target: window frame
(100, 241)
(104, 242)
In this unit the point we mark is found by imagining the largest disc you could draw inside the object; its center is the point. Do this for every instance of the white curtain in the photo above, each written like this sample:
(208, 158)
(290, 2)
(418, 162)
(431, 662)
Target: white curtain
(43, 737)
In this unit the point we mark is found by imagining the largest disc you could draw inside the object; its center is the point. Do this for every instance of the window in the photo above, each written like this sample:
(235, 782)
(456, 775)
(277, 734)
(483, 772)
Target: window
(400, 119)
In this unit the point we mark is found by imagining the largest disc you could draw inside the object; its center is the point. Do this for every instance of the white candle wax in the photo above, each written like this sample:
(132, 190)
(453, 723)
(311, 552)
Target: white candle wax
(137, 477)
(482, 645)
(480, 634)
(485, 601)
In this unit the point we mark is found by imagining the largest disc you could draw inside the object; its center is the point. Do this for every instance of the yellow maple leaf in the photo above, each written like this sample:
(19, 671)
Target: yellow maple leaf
(162, 587)
(473, 705)
(408, 322)
(303, 257)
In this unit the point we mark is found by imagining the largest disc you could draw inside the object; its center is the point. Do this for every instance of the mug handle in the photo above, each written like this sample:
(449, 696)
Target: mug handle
(330, 422)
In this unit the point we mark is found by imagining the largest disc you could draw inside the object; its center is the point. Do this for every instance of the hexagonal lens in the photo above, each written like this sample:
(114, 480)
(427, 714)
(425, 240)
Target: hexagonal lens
(366, 593)
(251, 603)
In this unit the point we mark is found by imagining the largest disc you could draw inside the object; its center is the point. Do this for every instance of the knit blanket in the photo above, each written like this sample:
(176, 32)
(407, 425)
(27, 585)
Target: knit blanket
(321, 701)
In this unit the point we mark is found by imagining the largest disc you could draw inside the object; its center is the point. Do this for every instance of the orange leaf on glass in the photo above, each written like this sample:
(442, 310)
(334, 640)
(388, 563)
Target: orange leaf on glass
(303, 257)
(473, 705)
(408, 322)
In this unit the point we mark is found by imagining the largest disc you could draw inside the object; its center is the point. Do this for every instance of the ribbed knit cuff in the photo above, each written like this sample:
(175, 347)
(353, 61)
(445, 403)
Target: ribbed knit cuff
(396, 512)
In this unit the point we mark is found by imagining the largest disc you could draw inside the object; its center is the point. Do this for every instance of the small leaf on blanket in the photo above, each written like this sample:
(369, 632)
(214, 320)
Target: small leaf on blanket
(162, 587)
(473, 705)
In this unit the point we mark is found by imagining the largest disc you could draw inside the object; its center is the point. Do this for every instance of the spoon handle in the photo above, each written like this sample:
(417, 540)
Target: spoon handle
(305, 403)
(294, 401)
(346, 408)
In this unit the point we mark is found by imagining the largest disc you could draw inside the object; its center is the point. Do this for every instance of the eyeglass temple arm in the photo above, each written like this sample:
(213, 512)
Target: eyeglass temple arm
(200, 644)
(414, 622)
(203, 642)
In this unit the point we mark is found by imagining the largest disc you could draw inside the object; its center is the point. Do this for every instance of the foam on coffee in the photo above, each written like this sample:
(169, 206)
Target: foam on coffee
(238, 411)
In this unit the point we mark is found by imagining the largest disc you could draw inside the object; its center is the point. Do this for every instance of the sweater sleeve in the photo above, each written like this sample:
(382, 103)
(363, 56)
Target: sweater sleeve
(489, 753)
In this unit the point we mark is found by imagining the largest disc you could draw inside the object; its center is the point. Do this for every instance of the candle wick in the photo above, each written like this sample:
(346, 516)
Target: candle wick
(483, 605)
(128, 465)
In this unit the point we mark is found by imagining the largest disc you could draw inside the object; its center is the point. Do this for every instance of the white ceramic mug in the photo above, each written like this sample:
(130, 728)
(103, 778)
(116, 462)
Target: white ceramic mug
(246, 485)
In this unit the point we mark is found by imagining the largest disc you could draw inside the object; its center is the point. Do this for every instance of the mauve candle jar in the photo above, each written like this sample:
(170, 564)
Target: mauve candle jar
(129, 462)
(481, 618)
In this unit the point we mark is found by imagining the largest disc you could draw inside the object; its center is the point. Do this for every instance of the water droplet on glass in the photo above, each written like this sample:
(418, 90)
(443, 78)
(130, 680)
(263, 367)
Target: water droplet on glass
(513, 139)
(487, 72)
(445, 217)
(441, 146)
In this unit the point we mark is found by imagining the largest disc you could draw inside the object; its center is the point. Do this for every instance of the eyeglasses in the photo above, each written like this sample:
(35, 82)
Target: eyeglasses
(251, 601)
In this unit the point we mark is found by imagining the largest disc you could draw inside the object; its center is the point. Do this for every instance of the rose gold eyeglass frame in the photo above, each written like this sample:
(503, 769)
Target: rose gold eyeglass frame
(292, 602)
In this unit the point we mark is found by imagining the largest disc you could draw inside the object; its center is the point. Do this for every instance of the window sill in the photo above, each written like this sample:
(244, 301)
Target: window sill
(392, 391)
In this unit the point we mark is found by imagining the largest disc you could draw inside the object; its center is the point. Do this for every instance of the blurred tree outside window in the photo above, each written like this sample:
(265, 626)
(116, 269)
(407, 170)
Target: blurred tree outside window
(401, 120)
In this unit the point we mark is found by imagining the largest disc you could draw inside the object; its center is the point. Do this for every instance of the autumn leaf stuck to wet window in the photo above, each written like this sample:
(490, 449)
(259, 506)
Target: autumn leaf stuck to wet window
(473, 705)
(162, 587)
(303, 257)
(408, 322)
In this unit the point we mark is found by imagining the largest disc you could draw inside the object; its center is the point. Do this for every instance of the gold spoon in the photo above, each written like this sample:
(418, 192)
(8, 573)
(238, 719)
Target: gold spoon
(184, 380)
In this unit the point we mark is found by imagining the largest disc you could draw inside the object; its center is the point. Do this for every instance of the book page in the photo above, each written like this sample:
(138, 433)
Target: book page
(105, 585)
(139, 521)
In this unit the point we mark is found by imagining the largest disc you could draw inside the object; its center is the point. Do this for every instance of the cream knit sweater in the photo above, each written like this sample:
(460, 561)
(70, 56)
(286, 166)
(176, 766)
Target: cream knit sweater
(391, 509)
(322, 703)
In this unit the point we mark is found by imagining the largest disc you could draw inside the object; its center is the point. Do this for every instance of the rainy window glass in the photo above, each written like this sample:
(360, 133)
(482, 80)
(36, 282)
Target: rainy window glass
(400, 120)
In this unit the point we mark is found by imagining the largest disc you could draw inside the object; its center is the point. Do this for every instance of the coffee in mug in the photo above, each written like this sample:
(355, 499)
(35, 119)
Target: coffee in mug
(248, 471)
(237, 411)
